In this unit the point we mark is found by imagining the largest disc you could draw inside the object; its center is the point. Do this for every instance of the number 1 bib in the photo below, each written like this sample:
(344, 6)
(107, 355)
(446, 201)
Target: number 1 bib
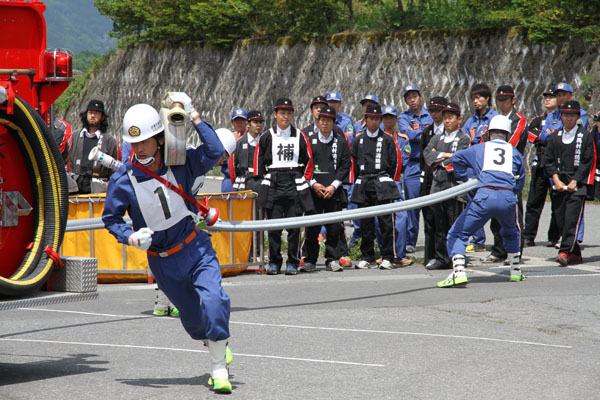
(161, 207)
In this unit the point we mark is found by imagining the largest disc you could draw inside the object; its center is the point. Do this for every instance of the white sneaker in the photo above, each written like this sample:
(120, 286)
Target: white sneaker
(334, 266)
(362, 264)
(385, 264)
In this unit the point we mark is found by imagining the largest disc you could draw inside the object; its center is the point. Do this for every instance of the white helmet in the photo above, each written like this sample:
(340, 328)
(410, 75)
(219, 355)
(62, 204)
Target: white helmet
(501, 123)
(141, 122)
(227, 139)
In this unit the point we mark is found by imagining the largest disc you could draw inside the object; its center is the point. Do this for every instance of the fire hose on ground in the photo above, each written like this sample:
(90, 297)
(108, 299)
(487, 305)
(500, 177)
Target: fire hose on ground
(309, 220)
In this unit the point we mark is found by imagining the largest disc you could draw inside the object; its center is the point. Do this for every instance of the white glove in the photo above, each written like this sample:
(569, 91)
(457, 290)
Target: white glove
(181, 97)
(141, 239)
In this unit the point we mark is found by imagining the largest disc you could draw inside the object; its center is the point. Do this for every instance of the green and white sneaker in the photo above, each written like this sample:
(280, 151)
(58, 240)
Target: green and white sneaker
(516, 275)
(174, 312)
(221, 385)
(160, 313)
(456, 278)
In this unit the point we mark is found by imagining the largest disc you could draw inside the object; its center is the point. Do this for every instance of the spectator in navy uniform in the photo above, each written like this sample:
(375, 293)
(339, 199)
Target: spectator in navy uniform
(377, 165)
(435, 107)
(505, 102)
(343, 120)
(475, 127)
(412, 122)
(570, 159)
(539, 186)
(285, 163)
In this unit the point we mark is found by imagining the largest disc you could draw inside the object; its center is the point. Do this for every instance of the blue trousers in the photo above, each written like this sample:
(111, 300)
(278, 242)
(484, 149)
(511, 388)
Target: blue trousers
(401, 226)
(191, 279)
(478, 239)
(487, 203)
(412, 188)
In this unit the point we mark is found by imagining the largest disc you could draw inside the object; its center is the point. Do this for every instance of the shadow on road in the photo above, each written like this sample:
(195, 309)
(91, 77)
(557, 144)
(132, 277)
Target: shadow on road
(75, 364)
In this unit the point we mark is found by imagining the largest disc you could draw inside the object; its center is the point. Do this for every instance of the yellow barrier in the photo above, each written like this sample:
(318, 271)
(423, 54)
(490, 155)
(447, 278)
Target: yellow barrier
(117, 262)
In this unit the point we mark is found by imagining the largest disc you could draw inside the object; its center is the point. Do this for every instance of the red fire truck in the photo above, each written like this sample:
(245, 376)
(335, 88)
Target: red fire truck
(33, 186)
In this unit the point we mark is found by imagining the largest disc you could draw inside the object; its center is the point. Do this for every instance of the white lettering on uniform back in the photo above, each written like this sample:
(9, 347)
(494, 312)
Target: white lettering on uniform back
(498, 157)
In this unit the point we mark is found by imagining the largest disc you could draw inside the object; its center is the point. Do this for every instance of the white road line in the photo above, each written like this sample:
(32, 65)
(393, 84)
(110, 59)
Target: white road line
(323, 328)
(128, 346)
(402, 333)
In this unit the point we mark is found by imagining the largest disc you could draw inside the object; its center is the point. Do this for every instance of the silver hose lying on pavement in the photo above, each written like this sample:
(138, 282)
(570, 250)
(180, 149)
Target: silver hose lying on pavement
(309, 220)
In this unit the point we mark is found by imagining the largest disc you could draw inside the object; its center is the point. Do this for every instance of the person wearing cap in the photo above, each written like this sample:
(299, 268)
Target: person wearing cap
(283, 159)
(435, 107)
(438, 157)
(377, 165)
(412, 122)
(241, 163)
(331, 158)
(239, 122)
(91, 177)
(390, 126)
(360, 125)
(343, 120)
(570, 159)
(158, 199)
(475, 127)
(563, 93)
(539, 185)
(316, 105)
(500, 172)
(505, 102)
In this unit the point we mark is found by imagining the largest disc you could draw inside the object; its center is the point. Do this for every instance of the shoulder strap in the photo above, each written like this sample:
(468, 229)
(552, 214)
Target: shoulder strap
(201, 207)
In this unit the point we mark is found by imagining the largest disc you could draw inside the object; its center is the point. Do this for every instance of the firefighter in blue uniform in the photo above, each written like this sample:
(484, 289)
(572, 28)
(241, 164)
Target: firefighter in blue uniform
(377, 165)
(500, 173)
(180, 256)
(331, 158)
(539, 184)
(570, 159)
(412, 122)
(475, 127)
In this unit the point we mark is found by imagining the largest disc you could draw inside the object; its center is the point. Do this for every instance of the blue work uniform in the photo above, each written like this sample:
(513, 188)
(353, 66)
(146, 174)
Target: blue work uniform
(181, 257)
(345, 122)
(475, 127)
(401, 217)
(500, 171)
(412, 125)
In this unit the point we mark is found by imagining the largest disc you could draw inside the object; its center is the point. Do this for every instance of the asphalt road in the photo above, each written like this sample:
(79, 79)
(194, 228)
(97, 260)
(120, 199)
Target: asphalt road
(358, 334)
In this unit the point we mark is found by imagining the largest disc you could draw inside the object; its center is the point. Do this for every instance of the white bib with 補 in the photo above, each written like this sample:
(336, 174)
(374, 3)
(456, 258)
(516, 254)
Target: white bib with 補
(160, 206)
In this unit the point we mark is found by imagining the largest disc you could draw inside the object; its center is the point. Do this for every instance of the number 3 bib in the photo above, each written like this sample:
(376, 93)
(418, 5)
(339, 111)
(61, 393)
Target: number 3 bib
(498, 157)
(161, 207)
